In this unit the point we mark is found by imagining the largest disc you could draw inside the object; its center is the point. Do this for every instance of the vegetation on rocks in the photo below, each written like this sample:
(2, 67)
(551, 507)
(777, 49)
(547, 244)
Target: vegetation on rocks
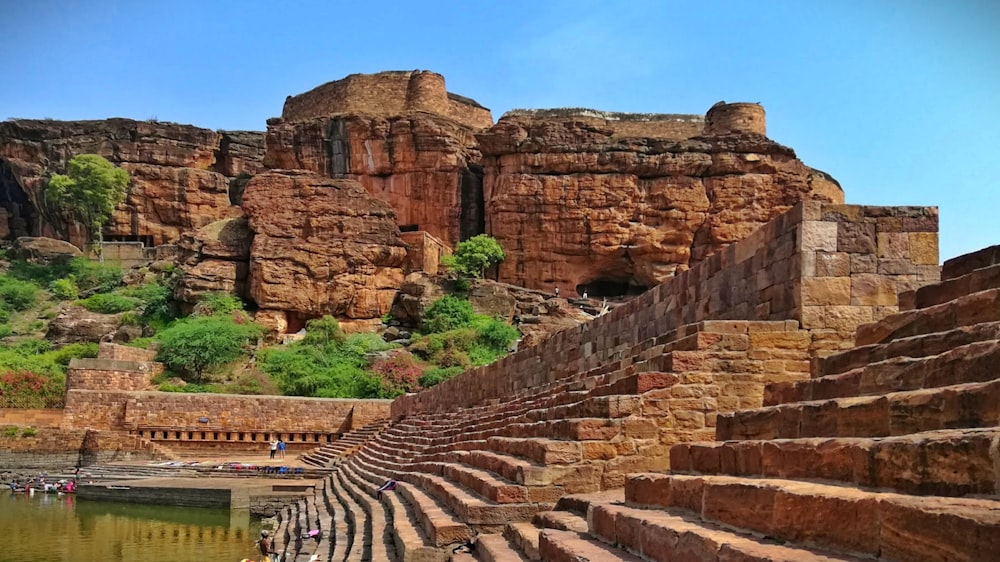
(90, 191)
(474, 256)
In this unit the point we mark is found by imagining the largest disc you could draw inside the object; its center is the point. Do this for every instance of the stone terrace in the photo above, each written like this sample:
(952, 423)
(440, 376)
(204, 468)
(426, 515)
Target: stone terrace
(786, 439)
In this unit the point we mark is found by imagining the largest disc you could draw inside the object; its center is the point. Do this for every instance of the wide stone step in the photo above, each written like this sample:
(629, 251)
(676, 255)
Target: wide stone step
(950, 289)
(570, 479)
(898, 413)
(966, 263)
(974, 362)
(496, 548)
(364, 521)
(569, 546)
(562, 520)
(950, 462)
(975, 308)
(342, 532)
(835, 518)
(540, 450)
(659, 535)
(921, 345)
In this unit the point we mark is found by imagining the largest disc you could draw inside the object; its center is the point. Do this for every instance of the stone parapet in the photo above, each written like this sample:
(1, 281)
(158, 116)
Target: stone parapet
(99, 374)
(423, 252)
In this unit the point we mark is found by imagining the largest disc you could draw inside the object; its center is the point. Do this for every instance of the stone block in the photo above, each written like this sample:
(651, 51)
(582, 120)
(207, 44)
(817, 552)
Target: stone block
(831, 264)
(856, 237)
(821, 291)
(894, 245)
(873, 290)
(817, 236)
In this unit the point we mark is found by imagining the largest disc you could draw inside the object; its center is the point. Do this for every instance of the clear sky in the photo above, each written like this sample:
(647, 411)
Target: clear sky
(899, 100)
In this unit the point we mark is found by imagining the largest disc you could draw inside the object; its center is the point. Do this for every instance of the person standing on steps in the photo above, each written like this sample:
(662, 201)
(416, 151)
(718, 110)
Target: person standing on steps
(281, 448)
(274, 447)
(266, 547)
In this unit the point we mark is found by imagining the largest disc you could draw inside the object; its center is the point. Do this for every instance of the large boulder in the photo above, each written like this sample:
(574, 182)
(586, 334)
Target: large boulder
(214, 258)
(43, 250)
(75, 324)
(416, 293)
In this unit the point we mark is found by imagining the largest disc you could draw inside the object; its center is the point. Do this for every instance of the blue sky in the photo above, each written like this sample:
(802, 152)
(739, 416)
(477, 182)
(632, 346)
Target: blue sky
(899, 100)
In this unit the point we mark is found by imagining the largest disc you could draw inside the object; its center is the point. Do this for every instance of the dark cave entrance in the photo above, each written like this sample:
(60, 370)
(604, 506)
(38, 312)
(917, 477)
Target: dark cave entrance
(472, 215)
(612, 287)
(22, 217)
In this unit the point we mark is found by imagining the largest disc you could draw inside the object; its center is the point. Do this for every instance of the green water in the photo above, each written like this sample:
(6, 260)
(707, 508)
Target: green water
(49, 528)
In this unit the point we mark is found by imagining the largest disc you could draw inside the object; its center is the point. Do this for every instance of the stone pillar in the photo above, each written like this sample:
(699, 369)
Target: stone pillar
(426, 92)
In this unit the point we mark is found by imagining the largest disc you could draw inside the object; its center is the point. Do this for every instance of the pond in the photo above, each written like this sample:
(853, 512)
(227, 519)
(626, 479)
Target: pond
(50, 528)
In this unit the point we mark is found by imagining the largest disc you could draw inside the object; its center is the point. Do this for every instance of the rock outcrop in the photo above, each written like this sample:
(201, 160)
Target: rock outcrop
(421, 164)
(214, 258)
(321, 246)
(181, 174)
(580, 202)
(75, 324)
(43, 250)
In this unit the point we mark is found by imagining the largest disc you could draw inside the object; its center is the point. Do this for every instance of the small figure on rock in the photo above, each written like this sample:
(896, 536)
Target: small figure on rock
(557, 292)
(274, 447)
(281, 448)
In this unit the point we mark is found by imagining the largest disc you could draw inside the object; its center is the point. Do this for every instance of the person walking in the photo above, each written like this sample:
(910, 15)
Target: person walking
(274, 447)
(281, 448)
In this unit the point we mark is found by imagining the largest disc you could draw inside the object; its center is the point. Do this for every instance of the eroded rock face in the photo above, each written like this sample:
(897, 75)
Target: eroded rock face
(577, 206)
(421, 164)
(180, 173)
(43, 250)
(214, 258)
(321, 246)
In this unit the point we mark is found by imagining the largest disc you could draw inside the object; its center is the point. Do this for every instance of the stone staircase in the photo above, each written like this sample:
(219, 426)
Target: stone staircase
(889, 452)
(480, 473)
(332, 454)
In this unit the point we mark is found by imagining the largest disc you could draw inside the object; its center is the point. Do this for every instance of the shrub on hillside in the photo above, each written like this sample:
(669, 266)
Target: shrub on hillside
(64, 289)
(438, 375)
(109, 303)
(398, 374)
(323, 331)
(198, 343)
(156, 300)
(447, 313)
(16, 294)
(25, 389)
(94, 276)
(214, 304)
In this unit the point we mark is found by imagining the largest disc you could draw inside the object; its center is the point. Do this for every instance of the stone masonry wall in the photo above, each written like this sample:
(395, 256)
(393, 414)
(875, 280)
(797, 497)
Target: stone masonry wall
(791, 269)
(100, 409)
(652, 125)
(423, 253)
(98, 374)
(125, 352)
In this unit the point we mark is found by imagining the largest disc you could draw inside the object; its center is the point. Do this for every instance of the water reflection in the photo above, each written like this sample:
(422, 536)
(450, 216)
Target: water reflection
(50, 528)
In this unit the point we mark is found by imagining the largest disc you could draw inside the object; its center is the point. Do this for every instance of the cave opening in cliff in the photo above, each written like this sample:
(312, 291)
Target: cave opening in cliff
(612, 287)
(20, 218)
(472, 215)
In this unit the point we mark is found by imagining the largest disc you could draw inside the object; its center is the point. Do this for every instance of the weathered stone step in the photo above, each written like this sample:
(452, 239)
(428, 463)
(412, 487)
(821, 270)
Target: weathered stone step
(658, 535)
(562, 520)
(496, 548)
(898, 413)
(540, 450)
(840, 519)
(966, 263)
(973, 281)
(975, 362)
(441, 527)
(921, 345)
(342, 535)
(975, 308)
(950, 462)
(375, 539)
(568, 546)
(470, 508)
(523, 535)
(579, 429)
(636, 383)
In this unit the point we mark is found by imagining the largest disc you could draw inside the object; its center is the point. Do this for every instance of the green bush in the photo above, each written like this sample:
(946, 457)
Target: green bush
(198, 343)
(438, 375)
(217, 304)
(447, 313)
(157, 301)
(10, 431)
(65, 354)
(5, 330)
(432, 345)
(95, 276)
(65, 289)
(17, 295)
(28, 348)
(473, 256)
(109, 303)
(29, 432)
(494, 333)
(4, 314)
(323, 331)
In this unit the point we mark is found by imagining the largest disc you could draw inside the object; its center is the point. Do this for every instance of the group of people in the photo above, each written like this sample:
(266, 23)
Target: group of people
(277, 448)
(40, 484)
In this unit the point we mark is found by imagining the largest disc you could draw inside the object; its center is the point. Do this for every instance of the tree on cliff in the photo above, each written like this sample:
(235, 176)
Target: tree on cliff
(90, 191)
(474, 256)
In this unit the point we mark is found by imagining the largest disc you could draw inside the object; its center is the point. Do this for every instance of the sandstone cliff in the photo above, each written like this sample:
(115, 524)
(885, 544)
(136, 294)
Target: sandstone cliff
(421, 164)
(321, 246)
(581, 203)
(180, 173)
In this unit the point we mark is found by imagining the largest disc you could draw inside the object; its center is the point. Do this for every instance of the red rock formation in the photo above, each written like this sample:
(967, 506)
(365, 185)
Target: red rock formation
(214, 258)
(580, 202)
(321, 246)
(180, 173)
(423, 165)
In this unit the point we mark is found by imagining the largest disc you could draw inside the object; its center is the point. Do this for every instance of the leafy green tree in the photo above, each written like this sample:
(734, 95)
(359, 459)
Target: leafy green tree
(447, 313)
(474, 256)
(199, 343)
(90, 191)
